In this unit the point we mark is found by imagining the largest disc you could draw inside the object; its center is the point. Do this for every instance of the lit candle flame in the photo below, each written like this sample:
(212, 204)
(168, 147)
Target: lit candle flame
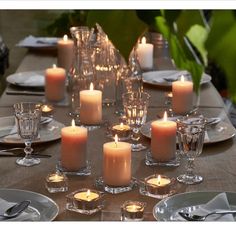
(116, 140)
(88, 193)
(65, 37)
(121, 125)
(165, 116)
(91, 86)
(182, 79)
(143, 40)
(158, 180)
(54, 66)
(73, 123)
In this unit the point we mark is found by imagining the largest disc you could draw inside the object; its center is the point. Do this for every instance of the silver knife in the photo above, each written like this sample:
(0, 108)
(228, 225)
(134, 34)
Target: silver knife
(34, 93)
(11, 154)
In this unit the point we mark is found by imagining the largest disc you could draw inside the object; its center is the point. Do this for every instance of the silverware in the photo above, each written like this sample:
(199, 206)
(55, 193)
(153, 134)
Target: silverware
(190, 217)
(11, 154)
(16, 209)
(170, 79)
(35, 93)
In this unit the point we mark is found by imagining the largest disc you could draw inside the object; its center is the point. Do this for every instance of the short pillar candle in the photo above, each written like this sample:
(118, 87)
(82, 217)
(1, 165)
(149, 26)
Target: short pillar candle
(90, 106)
(117, 163)
(73, 147)
(65, 49)
(163, 139)
(182, 100)
(55, 79)
(145, 54)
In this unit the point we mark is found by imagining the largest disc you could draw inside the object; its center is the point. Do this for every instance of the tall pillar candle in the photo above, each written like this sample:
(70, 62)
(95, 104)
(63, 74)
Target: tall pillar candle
(73, 147)
(90, 106)
(65, 50)
(145, 54)
(163, 139)
(117, 163)
(182, 100)
(55, 78)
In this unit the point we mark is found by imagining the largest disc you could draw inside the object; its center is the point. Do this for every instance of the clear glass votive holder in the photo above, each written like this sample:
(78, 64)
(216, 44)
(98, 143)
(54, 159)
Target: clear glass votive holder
(85, 201)
(123, 131)
(56, 182)
(132, 211)
(158, 186)
(47, 110)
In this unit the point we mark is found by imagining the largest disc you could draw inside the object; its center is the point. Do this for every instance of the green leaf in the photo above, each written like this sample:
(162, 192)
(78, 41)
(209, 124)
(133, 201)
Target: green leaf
(182, 60)
(221, 46)
(123, 27)
(197, 35)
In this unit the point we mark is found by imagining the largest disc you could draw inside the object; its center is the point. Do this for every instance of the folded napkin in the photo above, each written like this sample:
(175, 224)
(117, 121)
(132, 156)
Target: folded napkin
(29, 214)
(158, 76)
(31, 41)
(34, 80)
(219, 202)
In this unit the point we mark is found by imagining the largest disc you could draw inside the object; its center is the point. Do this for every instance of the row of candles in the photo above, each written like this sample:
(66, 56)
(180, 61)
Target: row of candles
(116, 155)
(65, 47)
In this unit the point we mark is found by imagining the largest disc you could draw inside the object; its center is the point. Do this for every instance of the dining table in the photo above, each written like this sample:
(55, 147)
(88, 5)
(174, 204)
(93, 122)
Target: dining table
(217, 162)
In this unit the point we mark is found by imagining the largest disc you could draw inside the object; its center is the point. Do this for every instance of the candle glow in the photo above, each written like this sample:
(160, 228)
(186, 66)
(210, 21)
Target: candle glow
(182, 79)
(65, 37)
(143, 40)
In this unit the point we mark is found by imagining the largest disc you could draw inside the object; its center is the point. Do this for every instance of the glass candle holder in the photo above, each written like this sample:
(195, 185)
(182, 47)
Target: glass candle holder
(47, 110)
(85, 201)
(158, 186)
(132, 211)
(56, 182)
(122, 131)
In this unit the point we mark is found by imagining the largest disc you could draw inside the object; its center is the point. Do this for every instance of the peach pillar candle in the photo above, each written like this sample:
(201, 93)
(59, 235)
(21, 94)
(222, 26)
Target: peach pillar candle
(182, 101)
(55, 78)
(145, 54)
(117, 163)
(73, 147)
(163, 139)
(65, 50)
(90, 106)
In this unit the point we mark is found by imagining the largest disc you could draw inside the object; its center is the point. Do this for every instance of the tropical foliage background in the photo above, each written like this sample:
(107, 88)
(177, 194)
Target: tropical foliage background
(196, 37)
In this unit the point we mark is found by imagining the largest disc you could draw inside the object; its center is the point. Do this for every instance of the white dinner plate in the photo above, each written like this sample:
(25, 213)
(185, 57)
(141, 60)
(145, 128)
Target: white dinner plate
(157, 77)
(215, 133)
(167, 209)
(48, 132)
(43, 207)
(27, 79)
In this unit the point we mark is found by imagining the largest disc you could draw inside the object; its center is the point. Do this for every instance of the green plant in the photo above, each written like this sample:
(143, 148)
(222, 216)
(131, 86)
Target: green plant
(193, 40)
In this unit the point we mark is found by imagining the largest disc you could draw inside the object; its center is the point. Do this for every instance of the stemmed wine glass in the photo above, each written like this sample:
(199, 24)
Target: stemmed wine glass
(135, 110)
(28, 117)
(190, 135)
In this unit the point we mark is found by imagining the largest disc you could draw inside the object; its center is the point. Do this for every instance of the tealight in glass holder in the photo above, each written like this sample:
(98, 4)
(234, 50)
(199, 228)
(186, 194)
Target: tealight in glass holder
(132, 211)
(122, 130)
(47, 110)
(85, 201)
(56, 182)
(157, 186)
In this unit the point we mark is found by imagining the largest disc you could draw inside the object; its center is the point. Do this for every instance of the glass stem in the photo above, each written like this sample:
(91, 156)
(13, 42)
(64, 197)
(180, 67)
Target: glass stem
(135, 135)
(190, 167)
(28, 150)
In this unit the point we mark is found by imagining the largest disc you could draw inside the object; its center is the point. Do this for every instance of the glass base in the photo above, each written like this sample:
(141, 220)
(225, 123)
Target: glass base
(137, 147)
(81, 172)
(71, 207)
(193, 179)
(99, 183)
(143, 190)
(150, 161)
(92, 126)
(27, 161)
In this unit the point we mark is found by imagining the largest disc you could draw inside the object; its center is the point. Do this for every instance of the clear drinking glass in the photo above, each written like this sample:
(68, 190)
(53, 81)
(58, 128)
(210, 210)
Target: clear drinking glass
(28, 117)
(190, 135)
(135, 110)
